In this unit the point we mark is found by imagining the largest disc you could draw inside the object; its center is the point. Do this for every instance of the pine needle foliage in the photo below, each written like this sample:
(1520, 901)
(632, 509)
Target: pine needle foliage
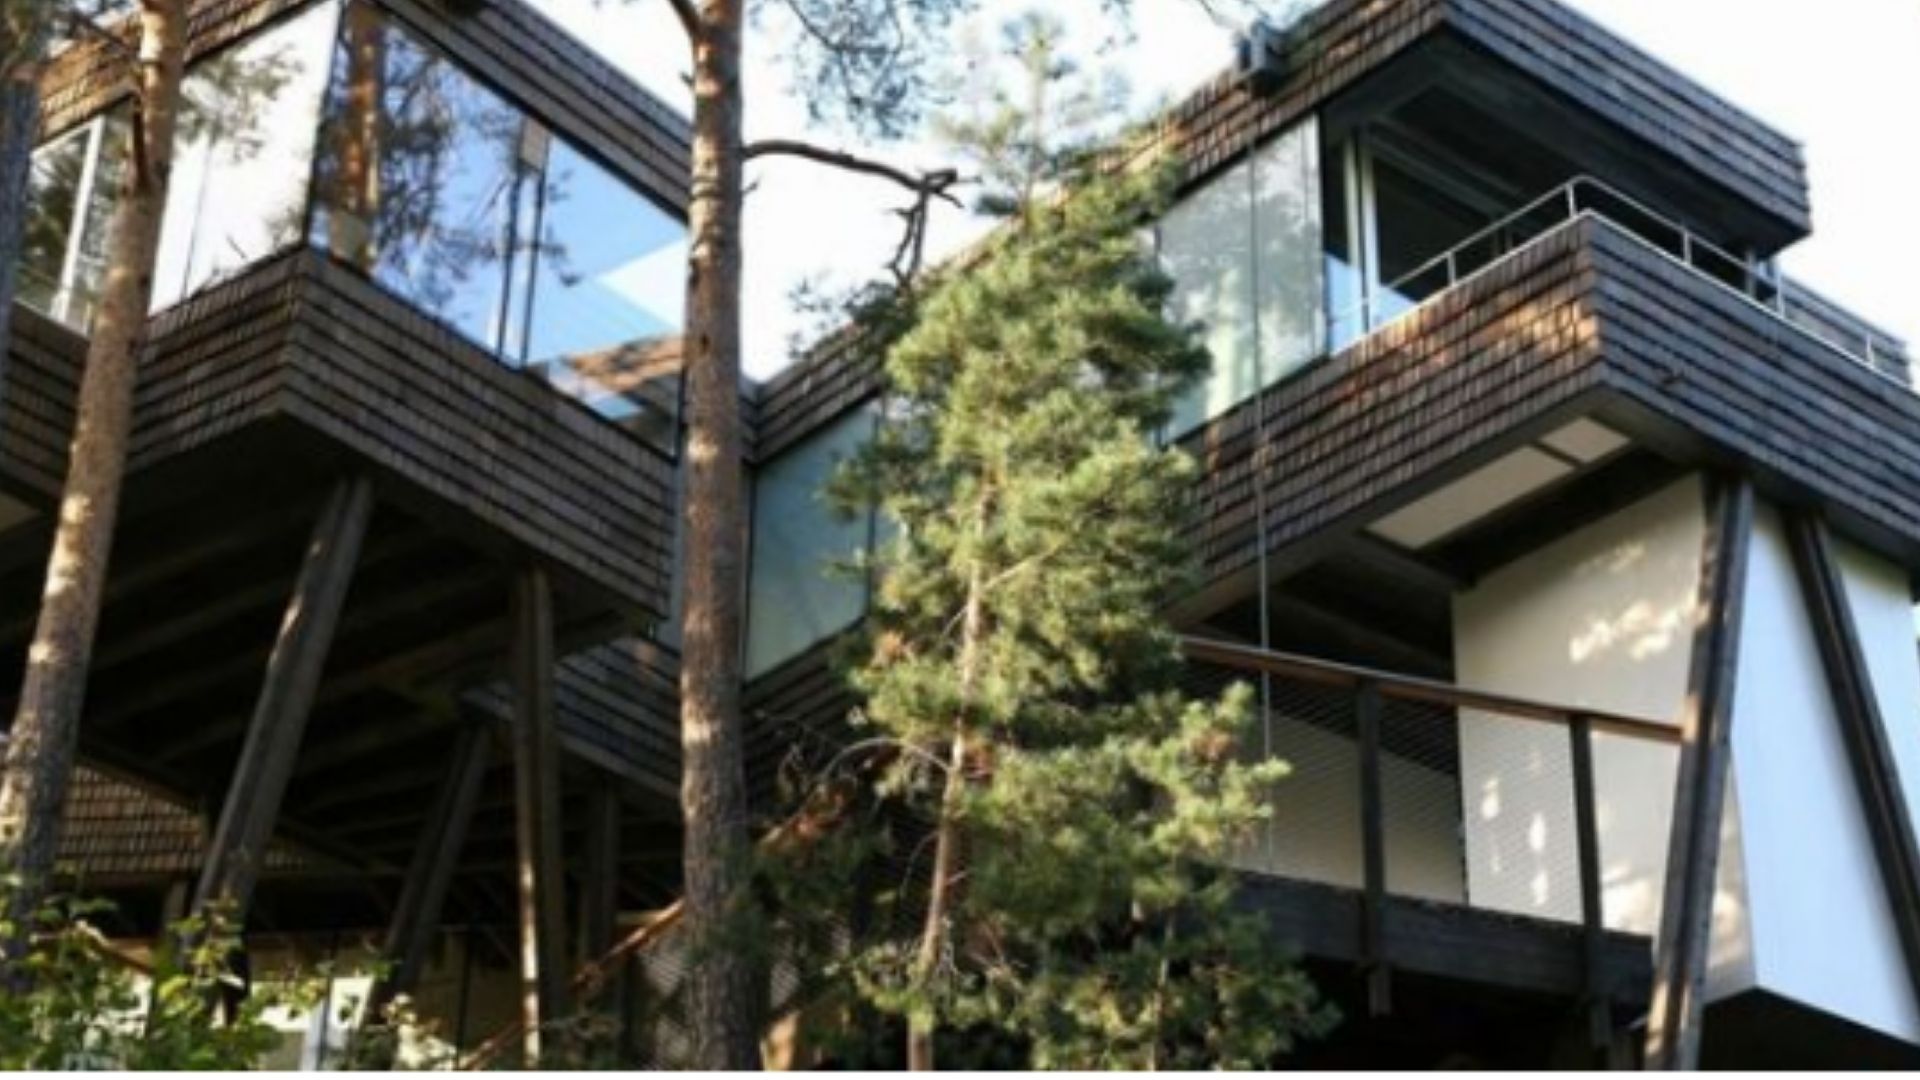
(1059, 891)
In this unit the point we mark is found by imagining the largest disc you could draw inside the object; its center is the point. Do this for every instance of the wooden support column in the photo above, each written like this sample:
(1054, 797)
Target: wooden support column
(600, 880)
(536, 779)
(1876, 775)
(239, 844)
(436, 854)
(1373, 928)
(1693, 849)
(1597, 997)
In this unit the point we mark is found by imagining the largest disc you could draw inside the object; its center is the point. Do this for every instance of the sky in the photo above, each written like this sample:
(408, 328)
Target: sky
(1842, 77)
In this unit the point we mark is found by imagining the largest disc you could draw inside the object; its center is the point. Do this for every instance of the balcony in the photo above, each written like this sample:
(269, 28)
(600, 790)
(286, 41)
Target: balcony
(1583, 334)
(1446, 833)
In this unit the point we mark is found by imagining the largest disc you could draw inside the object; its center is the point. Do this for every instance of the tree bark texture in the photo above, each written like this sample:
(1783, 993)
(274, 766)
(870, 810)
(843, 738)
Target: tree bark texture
(46, 726)
(23, 51)
(724, 987)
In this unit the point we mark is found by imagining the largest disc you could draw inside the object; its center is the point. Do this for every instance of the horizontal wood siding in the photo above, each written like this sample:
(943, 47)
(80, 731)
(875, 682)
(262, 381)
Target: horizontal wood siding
(37, 392)
(1735, 374)
(1495, 353)
(301, 338)
(1612, 78)
(506, 43)
(417, 398)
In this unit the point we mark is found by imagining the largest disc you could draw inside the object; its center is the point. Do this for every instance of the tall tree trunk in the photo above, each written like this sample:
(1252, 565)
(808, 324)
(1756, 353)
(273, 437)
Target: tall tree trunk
(46, 728)
(942, 888)
(724, 989)
(23, 50)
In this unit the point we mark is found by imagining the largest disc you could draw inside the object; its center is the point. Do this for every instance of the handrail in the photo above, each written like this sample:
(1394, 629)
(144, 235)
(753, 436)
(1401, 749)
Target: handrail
(1682, 245)
(1412, 688)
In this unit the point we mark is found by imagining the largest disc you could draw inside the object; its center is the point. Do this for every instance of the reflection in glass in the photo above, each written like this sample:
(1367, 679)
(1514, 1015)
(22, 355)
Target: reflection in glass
(72, 188)
(450, 197)
(798, 592)
(608, 290)
(419, 191)
(1245, 256)
(238, 189)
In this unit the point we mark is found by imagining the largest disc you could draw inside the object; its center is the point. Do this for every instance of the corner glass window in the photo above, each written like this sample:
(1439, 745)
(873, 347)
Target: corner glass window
(72, 187)
(418, 176)
(1244, 251)
(242, 158)
(799, 592)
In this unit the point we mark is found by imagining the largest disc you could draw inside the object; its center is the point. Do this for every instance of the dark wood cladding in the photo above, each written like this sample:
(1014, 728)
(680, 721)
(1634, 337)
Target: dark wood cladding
(301, 339)
(842, 372)
(554, 77)
(1612, 78)
(619, 705)
(1335, 46)
(42, 381)
(1732, 373)
(1501, 351)
(417, 398)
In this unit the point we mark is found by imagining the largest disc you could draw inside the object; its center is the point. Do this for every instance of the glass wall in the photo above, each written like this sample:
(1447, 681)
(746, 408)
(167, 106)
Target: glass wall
(451, 197)
(1244, 251)
(69, 202)
(799, 592)
(241, 161)
(420, 176)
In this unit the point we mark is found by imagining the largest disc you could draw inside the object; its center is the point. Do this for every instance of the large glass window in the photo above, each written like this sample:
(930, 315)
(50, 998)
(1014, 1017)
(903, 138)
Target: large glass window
(238, 192)
(419, 176)
(70, 200)
(1244, 251)
(448, 195)
(799, 591)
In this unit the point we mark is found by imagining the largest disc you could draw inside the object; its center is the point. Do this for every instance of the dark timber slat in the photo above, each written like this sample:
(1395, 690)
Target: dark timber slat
(536, 771)
(1586, 809)
(600, 874)
(1373, 852)
(430, 873)
(1876, 775)
(1693, 850)
(239, 842)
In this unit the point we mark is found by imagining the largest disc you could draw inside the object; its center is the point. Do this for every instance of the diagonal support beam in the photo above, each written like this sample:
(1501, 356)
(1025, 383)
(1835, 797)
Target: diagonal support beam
(1693, 851)
(536, 778)
(259, 783)
(1876, 774)
(430, 873)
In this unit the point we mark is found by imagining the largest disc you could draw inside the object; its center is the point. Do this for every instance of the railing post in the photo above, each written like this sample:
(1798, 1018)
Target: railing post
(1373, 835)
(1597, 999)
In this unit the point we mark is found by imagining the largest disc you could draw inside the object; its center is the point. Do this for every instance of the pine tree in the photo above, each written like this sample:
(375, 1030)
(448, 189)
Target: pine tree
(46, 727)
(1019, 675)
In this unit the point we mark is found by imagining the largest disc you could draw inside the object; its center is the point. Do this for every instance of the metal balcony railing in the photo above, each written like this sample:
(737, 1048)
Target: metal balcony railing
(1411, 789)
(1584, 196)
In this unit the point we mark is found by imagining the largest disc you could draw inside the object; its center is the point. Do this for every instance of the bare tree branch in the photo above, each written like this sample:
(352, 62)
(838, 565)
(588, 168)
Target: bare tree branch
(689, 19)
(936, 182)
(926, 187)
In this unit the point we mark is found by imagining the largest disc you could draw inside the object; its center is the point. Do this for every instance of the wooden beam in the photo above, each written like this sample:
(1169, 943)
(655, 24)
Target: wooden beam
(600, 878)
(1693, 851)
(238, 847)
(1863, 729)
(536, 774)
(1373, 850)
(1597, 1000)
(442, 837)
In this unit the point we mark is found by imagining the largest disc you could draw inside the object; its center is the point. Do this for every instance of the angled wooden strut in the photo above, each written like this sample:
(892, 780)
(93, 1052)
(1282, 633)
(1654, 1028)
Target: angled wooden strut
(1693, 850)
(536, 775)
(436, 854)
(1876, 776)
(238, 848)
